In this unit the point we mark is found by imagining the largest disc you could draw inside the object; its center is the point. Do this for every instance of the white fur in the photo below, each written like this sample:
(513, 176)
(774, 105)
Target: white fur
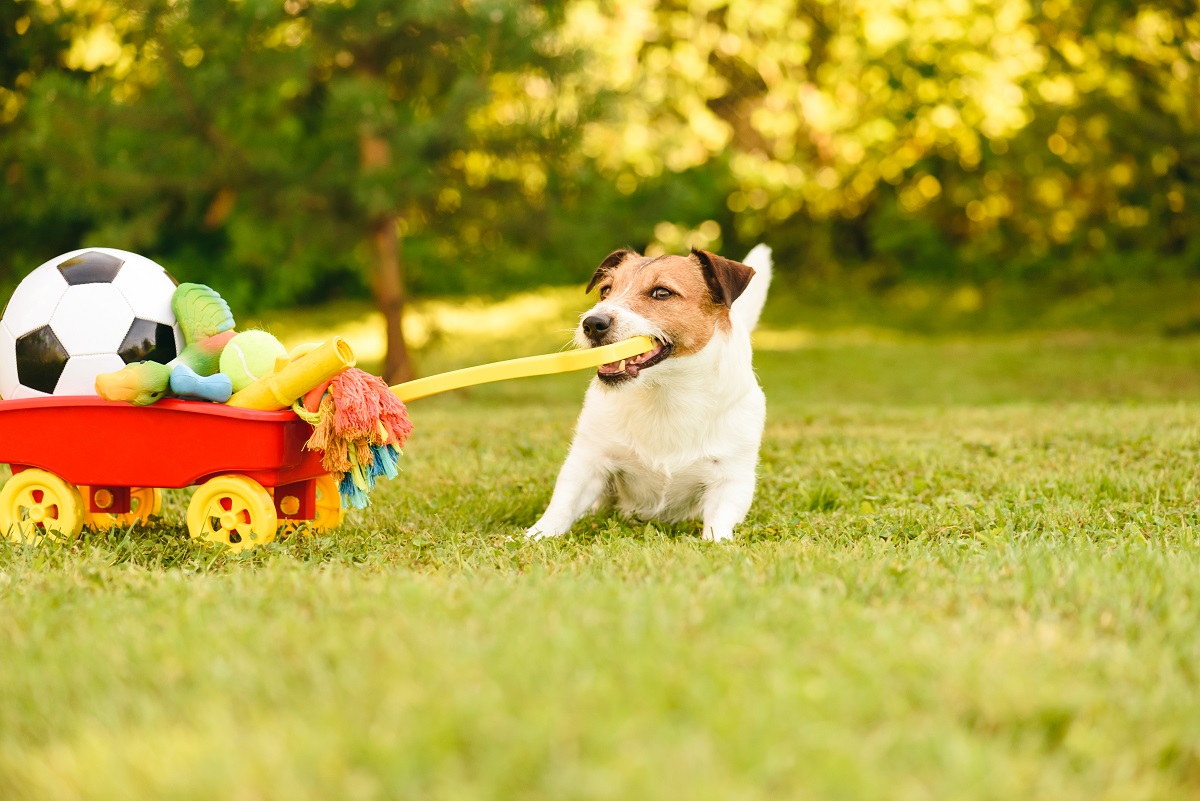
(681, 440)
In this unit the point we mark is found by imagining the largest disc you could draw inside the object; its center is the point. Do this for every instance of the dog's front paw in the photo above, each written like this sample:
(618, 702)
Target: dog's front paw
(712, 534)
(543, 528)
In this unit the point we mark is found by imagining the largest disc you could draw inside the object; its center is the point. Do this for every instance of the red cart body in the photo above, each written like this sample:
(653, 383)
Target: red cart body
(110, 447)
(172, 443)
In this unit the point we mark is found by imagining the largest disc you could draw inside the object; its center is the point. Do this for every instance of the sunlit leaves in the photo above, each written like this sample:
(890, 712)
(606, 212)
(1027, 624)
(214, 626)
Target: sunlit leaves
(1013, 130)
(826, 110)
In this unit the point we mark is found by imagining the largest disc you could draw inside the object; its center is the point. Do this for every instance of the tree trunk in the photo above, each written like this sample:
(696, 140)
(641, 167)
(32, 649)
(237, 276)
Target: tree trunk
(388, 288)
(387, 273)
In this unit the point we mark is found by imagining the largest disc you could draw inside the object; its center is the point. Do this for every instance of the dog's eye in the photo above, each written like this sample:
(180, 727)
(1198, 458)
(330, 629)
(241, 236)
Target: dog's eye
(604, 290)
(660, 293)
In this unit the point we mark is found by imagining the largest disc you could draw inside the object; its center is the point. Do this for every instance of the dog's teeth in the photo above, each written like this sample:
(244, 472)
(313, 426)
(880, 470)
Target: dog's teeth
(622, 367)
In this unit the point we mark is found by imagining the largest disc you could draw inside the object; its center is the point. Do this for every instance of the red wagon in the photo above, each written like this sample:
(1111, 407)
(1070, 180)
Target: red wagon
(80, 461)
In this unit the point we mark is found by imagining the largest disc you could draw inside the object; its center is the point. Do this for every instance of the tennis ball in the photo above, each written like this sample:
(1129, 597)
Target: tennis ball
(249, 356)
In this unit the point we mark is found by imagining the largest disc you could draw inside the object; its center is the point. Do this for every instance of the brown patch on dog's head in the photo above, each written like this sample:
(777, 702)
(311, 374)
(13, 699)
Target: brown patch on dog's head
(610, 263)
(686, 298)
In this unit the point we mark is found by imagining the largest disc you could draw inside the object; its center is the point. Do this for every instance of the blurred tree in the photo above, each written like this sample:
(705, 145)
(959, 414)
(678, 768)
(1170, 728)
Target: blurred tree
(291, 140)
(946, 137)
(26, 52)
(291, 151)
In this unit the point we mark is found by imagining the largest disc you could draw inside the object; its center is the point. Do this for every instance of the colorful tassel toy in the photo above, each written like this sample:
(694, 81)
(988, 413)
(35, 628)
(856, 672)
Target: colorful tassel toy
(361, 426)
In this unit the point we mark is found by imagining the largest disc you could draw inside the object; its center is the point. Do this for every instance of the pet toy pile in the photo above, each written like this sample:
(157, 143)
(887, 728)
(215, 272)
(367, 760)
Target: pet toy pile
(359, 424)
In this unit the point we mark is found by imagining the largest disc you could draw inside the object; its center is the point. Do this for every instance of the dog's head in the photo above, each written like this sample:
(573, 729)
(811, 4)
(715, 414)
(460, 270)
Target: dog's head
(681, 302)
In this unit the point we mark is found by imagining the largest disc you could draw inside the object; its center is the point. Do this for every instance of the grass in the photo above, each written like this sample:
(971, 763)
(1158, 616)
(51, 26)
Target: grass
(970, 573)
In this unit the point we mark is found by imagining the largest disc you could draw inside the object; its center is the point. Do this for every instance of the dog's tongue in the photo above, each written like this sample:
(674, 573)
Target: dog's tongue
(612, 368)
(629, 366)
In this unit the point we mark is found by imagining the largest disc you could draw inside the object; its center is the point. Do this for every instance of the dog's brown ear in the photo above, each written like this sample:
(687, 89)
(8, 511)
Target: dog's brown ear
(610, 263)
(726, 279)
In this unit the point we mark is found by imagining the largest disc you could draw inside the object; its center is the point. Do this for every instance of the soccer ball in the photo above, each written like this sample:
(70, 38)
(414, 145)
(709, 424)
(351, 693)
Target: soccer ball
(81, 314)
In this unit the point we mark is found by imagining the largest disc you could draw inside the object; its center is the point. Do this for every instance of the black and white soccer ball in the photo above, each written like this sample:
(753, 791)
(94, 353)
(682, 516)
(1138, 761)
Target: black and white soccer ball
(81, 314)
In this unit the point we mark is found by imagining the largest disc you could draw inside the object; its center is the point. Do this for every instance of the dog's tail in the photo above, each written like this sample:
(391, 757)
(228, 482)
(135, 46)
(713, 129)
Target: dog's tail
(749, 304)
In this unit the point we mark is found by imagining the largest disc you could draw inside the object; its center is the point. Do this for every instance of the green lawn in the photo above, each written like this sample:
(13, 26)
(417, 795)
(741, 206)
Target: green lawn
(972, 572)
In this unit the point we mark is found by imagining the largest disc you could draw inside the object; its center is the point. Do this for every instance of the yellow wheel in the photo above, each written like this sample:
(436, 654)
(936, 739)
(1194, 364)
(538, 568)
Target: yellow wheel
(328, 512)
(235, 510)
(144, 503)
(35, 504)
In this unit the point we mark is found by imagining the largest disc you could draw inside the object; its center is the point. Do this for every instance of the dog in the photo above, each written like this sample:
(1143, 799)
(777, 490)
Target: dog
(674, 433)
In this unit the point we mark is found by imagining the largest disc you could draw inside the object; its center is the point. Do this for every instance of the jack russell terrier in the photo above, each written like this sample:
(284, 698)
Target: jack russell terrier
(673, 433)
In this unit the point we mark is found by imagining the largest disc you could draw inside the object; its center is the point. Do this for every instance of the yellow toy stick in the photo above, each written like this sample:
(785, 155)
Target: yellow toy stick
(281, 389)
(522, 368)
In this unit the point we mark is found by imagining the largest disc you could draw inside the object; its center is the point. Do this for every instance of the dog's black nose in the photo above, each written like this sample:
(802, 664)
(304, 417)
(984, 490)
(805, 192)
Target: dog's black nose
(595, 326)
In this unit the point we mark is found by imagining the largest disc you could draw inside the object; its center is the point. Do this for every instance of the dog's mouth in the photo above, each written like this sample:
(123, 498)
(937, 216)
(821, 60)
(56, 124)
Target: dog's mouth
(616, 372)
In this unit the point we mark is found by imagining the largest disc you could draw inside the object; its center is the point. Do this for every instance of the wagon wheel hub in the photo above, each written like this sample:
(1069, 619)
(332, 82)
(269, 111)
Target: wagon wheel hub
(234, 510)
(37, 513)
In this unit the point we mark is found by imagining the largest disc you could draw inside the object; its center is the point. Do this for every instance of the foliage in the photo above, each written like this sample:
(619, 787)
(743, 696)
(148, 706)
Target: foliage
(949, 140)
(254, 144)
(942, 139)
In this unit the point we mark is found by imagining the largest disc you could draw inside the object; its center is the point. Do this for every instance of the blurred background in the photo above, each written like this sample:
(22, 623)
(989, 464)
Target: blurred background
(930, 165)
